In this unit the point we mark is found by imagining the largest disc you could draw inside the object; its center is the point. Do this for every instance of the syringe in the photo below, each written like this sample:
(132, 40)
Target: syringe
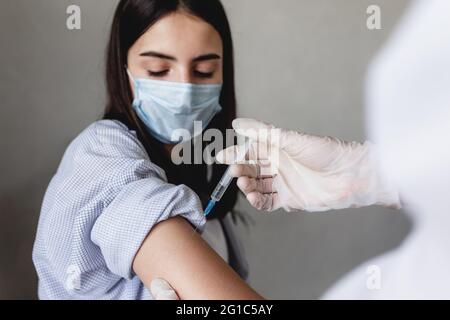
(225, 181)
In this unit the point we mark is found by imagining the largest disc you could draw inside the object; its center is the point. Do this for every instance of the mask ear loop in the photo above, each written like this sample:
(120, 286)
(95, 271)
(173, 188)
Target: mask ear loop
(136, 84)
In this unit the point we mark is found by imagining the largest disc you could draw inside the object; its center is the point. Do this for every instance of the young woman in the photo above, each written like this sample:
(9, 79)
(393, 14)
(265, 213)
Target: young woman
(118, 213)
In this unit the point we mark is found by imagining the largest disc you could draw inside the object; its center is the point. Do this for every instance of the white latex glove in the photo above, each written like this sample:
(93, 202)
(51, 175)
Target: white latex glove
(306, 172)
(161, 290)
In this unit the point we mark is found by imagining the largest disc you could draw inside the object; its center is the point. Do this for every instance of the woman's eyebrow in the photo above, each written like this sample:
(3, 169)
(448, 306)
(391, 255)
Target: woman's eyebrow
(204, 57)
(157, 55)
(209, 56)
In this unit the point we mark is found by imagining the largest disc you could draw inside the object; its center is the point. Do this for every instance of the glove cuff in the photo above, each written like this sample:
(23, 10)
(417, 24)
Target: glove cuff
(384, 190)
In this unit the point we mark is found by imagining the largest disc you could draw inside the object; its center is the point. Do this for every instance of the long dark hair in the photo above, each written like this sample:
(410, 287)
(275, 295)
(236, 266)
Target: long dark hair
(132, 19)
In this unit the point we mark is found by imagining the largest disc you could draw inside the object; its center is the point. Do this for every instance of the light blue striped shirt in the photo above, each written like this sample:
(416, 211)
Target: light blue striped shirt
(102, 202)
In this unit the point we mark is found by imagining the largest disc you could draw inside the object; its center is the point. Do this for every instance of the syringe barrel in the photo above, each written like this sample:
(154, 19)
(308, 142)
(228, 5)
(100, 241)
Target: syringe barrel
(222, 186)
(226, 179)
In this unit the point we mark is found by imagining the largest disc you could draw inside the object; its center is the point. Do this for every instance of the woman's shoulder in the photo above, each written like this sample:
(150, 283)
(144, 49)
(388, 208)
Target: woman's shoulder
(110, 132)
(105, 154)
(111, 138)
(105, 148)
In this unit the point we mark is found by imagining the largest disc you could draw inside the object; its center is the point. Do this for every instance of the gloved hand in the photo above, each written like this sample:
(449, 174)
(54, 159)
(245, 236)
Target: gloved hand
(161, 290)
(306, 172)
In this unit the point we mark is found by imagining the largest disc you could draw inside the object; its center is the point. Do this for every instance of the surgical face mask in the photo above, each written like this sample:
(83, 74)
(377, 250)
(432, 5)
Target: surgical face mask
(165, 107)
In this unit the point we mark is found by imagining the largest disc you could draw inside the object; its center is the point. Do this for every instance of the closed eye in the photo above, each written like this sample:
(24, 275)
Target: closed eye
(203, 75)
(158, 73)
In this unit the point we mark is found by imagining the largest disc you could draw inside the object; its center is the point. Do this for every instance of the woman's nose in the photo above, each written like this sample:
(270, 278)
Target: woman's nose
(185, 76)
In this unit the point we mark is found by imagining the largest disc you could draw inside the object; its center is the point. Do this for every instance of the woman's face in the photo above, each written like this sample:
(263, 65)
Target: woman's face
(178, 48)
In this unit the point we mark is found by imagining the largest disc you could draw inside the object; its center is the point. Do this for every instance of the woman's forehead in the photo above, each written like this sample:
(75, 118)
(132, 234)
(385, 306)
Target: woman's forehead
(180, 35)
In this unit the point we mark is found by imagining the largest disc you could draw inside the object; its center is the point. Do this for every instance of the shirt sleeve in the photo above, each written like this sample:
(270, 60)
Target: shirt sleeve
(134, 196)
(140, 197)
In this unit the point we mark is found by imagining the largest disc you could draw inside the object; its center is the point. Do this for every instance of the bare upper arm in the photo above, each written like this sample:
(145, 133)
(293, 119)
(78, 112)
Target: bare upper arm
(174, 252)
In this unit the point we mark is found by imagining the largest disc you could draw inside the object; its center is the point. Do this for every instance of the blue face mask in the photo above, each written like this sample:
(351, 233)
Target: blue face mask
(167, 106)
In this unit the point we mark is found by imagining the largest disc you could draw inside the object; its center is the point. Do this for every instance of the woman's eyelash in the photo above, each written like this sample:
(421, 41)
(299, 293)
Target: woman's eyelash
(203, 74)
(158, 73)
(164, 73)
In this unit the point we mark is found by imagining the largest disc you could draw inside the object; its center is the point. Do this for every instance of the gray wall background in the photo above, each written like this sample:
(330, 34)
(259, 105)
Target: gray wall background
(300, 65)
